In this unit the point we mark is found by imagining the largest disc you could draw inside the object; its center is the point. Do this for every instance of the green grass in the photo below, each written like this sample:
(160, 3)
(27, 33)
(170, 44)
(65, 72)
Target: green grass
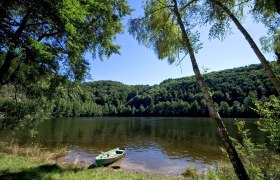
(38, 163)
(33, 151)
(22, 167)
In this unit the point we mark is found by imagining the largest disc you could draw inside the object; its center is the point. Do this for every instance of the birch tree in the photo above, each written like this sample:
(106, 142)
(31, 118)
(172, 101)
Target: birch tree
(218, 13)
(167, 28)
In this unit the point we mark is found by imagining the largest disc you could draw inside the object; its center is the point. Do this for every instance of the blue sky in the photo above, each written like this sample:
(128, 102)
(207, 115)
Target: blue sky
(140, 65)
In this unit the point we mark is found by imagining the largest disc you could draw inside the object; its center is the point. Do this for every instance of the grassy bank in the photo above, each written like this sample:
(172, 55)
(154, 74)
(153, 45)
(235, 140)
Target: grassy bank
(38, 163)
(45, 166)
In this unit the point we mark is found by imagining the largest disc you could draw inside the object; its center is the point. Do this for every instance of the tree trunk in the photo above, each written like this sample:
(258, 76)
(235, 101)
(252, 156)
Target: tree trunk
(267, 67)
(278, 57)
(6, 66)
(277, 6)
(214, 115)
(4, 69)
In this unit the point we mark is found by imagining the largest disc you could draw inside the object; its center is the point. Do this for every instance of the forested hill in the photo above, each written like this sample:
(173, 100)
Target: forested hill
(233, 92)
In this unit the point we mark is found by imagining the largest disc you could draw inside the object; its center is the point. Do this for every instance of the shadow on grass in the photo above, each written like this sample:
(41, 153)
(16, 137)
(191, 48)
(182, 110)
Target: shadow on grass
(35, 173)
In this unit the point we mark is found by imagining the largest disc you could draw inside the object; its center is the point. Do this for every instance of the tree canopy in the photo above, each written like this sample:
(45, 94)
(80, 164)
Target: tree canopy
(39, 37)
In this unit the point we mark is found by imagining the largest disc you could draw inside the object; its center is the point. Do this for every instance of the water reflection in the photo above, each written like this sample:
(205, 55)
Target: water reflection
(153, 144)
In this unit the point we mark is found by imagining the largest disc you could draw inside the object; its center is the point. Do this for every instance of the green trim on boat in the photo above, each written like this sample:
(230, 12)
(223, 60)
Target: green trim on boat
(109, 157)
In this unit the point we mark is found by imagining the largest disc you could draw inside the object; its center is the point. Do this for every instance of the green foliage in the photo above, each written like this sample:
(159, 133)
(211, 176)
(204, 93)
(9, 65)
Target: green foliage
(233, 90)
(220, 22)
(262, 11)
(260, 161)
(266, 12)
(54, 36)
(222, 170)
(246, 147)
(211, 175)
(234, 93)
(42, 44)
(269, 122)
(190, 172)
(24, 115)
(72, 101)
(173, 97)
(158, 29)
(224, 108)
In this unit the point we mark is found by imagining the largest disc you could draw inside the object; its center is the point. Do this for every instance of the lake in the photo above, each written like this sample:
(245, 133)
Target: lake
(154, 144)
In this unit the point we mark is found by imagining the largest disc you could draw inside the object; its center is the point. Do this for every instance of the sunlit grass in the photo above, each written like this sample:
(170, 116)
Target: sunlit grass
(33, 151)
(23, 167)
(35, 162)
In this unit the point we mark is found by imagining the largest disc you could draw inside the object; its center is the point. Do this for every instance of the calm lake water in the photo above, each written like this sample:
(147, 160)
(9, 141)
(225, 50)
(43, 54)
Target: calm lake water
(154, 144)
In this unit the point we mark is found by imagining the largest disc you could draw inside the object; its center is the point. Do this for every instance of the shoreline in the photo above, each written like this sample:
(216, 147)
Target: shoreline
(13, 166)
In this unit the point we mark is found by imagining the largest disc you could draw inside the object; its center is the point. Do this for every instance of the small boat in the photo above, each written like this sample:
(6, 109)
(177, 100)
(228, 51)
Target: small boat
(109, 157)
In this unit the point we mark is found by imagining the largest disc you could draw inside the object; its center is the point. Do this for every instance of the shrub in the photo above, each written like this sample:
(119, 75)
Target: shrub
(191, 172)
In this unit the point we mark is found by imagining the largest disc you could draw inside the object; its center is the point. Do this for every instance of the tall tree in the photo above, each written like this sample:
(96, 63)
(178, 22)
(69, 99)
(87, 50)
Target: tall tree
(166, 27)
(268, 12)
(54, 35)
(216, 12)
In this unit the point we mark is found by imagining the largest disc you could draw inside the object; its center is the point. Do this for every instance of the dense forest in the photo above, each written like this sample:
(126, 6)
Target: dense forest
(234, 92)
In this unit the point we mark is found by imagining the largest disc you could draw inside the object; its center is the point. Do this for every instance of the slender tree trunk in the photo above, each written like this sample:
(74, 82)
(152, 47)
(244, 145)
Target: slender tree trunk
(277, 6)
(214, 115)
(267, 67)
(6, 66)
(278, 57)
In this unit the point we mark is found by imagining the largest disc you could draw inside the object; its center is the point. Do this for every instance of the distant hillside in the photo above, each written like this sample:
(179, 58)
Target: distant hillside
(233, 92)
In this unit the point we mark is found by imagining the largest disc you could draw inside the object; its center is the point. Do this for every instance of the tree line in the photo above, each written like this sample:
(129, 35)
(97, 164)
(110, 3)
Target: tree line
(234, 92)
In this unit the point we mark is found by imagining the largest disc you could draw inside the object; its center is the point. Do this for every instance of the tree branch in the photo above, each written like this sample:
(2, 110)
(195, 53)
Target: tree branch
(35, 24)
(277, 6)
(241, 3)
(155, 11)
(188, 4)
(4, 69)
(46, 35)
(61, 46)
(21, 27)
(181, 60)
(161, 2)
